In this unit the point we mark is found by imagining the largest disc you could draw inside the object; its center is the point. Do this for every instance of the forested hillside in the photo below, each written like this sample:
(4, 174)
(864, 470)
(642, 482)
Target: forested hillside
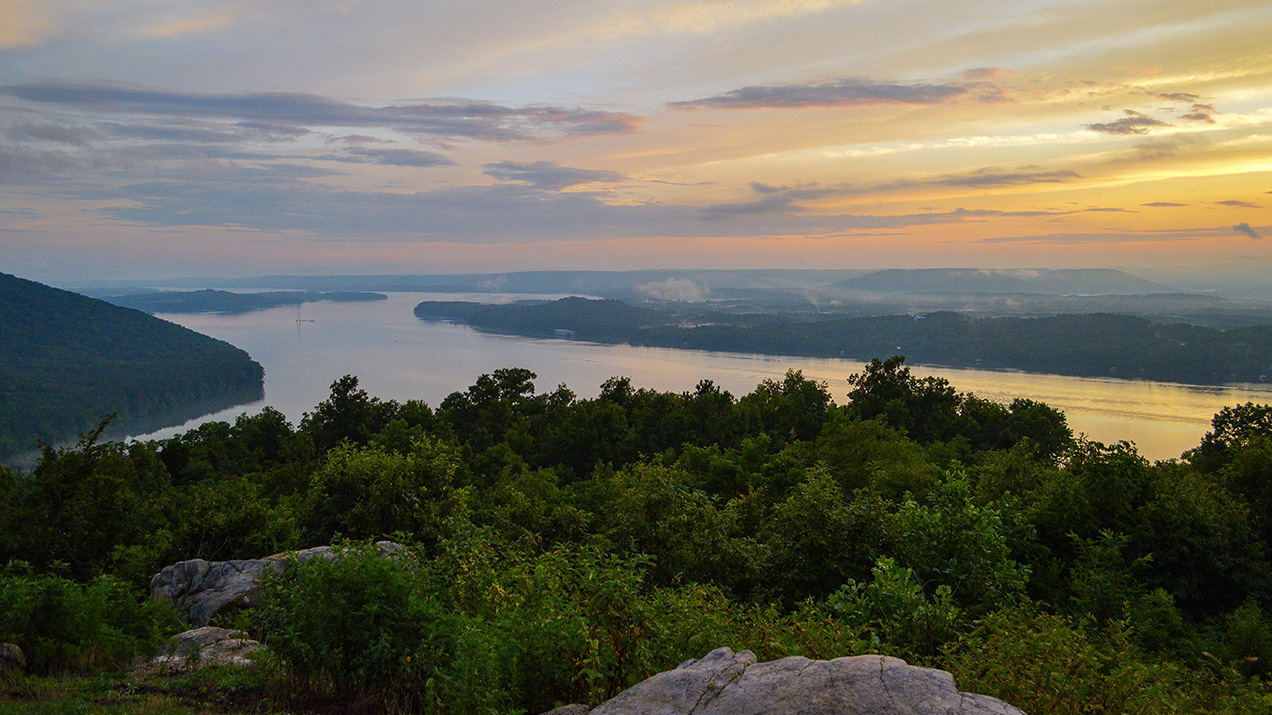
(1085, 345)
(67, 361)
(220, 301)
(561, 549)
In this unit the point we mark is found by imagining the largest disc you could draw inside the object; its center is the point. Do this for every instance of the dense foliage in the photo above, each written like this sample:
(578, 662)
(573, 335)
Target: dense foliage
(1087, 345)
(67, 361)
(561, 549)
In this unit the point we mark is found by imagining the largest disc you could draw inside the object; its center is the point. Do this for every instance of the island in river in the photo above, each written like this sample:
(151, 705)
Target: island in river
(1081, 345)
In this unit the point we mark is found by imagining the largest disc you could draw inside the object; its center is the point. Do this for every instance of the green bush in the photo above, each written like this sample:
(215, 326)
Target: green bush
(1048, 664)
(950, 540)
(345, 626)
(62, 626)
(894, 613)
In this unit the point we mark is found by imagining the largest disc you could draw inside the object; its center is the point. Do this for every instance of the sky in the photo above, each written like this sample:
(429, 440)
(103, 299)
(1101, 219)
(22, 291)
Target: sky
(149, 138)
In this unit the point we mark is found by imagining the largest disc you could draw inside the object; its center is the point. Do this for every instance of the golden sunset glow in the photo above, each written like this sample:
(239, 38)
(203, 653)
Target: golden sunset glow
(231, 137)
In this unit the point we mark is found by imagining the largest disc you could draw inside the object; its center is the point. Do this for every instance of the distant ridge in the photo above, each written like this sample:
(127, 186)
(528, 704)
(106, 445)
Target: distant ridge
(1068, 281)
(67, 361)
(219, 301)
(1084, 345)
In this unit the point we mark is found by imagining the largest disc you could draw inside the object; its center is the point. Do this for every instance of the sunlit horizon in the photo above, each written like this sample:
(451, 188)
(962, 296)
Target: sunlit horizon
(227, 139)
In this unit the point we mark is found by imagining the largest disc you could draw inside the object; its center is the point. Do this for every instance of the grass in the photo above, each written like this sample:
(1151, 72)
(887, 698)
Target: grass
(202, 693)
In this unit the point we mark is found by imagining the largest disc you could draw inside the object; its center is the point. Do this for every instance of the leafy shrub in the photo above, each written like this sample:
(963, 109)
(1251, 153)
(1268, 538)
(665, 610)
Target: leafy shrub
(1048, 664)
(366, 492)
(345, 626)
(894, 613)
(63, 626)
(690, 621)
(950, 540)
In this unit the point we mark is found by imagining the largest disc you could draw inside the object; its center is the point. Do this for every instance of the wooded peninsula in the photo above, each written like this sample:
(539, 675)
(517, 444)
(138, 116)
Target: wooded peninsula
(1081, 345)
(68, 361)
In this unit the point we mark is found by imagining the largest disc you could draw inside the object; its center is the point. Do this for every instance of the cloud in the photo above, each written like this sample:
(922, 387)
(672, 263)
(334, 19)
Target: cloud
(770, 189)
(988, 73)
(360, 139)
(1108, 209)
(1247, 229)
(1201, 113)
(481, 214)
(1238, 204)
(674, 289)
(1155, 148)
(273, 132)
(980, 213)
(276, 198)
(449, 118)
(850, 92)
(1178, 97)
(19, 166)
(1163, 204)
(783, 199)
(549, 175)
(1094, 238)
(772, 203)
(1132, 123)
(186, 132)
(774, 199)
(989, 177)
(74, 136)
(402, 157)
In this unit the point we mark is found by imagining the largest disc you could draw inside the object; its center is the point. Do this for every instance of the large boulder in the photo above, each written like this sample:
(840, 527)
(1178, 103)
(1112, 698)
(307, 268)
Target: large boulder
(728, 683)
(201, 589)
(201, 647)
(11, 658)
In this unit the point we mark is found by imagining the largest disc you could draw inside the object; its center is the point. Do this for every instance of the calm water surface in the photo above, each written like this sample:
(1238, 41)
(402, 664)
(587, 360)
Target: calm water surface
(397, 356)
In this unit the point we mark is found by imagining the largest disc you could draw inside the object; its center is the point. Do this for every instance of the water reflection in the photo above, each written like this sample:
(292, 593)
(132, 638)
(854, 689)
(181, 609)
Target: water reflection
(397, 356)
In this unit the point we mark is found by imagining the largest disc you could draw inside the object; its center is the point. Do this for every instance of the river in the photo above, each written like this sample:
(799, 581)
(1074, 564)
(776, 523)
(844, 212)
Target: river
(397, 356)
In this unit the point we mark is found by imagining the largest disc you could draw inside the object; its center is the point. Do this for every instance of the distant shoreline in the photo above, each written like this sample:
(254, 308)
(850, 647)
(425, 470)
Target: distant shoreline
(1099, 345)
(227, 302)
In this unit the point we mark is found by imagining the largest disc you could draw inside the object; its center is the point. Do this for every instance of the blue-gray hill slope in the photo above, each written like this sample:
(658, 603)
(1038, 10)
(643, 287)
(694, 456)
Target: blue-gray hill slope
(67, 361)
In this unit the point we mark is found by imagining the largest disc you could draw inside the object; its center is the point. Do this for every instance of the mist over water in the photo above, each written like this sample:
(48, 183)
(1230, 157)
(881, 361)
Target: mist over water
(397, 356)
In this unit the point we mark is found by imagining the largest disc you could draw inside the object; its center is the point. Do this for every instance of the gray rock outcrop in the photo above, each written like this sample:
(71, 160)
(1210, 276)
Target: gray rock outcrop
(11, 658)
(728, 683)
(204, 646)
(201, 589)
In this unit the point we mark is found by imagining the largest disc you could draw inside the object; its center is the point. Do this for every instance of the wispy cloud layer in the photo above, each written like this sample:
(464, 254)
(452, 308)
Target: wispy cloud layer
(1133, 123)
(849, 92)
(808, 132)
(445, 118)
(401, 157)
(549, 175)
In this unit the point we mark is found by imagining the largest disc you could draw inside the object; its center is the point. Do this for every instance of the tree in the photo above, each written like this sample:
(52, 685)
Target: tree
(484, 413)
(348, 414)
(1232, 428)
(927, 409)
(87, 501)
(794, 408)
(365, 492)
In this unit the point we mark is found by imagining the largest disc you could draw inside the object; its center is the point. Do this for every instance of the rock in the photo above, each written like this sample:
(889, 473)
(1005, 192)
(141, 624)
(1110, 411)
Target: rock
(201, 647)
(203, 589)
(728, 683)
(11, 658)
